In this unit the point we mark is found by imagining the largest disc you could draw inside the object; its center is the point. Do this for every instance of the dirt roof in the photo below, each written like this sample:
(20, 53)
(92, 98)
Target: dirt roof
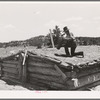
(90, 53)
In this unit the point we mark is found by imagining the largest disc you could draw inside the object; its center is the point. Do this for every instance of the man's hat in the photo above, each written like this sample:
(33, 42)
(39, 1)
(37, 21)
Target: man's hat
(65, 28)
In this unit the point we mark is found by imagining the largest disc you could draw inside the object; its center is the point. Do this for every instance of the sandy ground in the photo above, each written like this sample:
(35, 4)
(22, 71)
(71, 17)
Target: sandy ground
(5, 86)
(90, 53)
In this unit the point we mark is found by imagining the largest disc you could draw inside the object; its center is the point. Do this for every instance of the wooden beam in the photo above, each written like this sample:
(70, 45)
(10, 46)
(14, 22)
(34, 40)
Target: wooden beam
(25, 57)
(11, 62)
(46, 78)
(52, 39)
(10, 70)
(43, 58)
(9, 65)
(24, 71)
(44, 71)
(20, 67)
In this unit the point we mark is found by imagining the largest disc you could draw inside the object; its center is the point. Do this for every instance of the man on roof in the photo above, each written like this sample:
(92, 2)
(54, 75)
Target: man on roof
(69, 41)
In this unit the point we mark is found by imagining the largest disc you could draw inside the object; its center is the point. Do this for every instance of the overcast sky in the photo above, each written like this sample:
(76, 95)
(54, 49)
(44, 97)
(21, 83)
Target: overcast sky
(23, 20)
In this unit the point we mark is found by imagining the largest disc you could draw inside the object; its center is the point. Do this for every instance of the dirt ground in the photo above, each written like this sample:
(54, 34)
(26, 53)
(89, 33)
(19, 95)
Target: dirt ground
(90, 53)
(5, 86)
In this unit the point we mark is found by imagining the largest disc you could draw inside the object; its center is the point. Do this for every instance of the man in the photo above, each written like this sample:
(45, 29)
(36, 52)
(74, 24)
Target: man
(70, 41)
(67, 40)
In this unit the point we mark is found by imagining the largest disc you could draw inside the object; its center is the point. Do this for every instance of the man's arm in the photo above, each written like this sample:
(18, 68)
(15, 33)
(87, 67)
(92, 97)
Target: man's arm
(63, 34)
(72, 35)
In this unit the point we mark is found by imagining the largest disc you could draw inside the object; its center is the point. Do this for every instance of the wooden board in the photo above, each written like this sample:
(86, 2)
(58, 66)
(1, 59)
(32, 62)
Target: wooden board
(83, 81)
(40, 64)
(87, 72)
(47, 78)
(49, 85)
(44, 59)
(39, 60)
(10, 75)
(81, 73)
(10, 62)
(10, 70)
(36, 87)
(44, 71)
(9, 65)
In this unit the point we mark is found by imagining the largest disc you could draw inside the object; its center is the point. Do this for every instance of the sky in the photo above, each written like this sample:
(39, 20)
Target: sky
(23, 20)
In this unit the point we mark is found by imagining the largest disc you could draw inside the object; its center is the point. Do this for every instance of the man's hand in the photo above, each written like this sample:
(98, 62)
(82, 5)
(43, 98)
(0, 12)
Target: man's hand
(63, 34)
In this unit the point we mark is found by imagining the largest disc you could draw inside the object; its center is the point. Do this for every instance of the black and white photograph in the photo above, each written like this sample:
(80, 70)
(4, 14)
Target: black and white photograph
(50, 46)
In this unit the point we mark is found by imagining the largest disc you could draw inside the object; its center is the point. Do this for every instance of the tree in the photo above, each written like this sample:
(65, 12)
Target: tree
(55, 33)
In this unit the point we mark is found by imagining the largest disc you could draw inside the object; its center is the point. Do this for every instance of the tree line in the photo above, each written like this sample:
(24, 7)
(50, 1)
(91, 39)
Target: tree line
(42, 40)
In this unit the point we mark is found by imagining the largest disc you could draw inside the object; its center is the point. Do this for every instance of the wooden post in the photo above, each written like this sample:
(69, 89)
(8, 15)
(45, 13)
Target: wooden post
(25, 57)
(24, 71)
(24, 76)
(20, 67)
(52, 39)
(1, 71)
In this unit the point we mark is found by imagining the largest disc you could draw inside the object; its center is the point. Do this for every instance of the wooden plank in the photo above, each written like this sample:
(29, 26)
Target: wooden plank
(9, 65)
(36, 87)
(87, 72)
(24, 58)
(11, 62)
(10, 70)
(39, 80)
(24, 69)
(51, 39)
(14, 58)
(0, 74)
(10, 75)
(45, 71)
(34, 59)
(38, 83)
(11, 79)
(45, 58)
(0, 68)
(40, 64)
(13, 74)
(47, 78)
(66, 66)
(24, 74)
(59, 86)
(39, 59)
(20, 66)
(31, 54)
(82, 72)
(88, 86)
(89, 79)
(49, 85)
(1, 71)
(83, 81)
(42, 81)
(52, 59)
